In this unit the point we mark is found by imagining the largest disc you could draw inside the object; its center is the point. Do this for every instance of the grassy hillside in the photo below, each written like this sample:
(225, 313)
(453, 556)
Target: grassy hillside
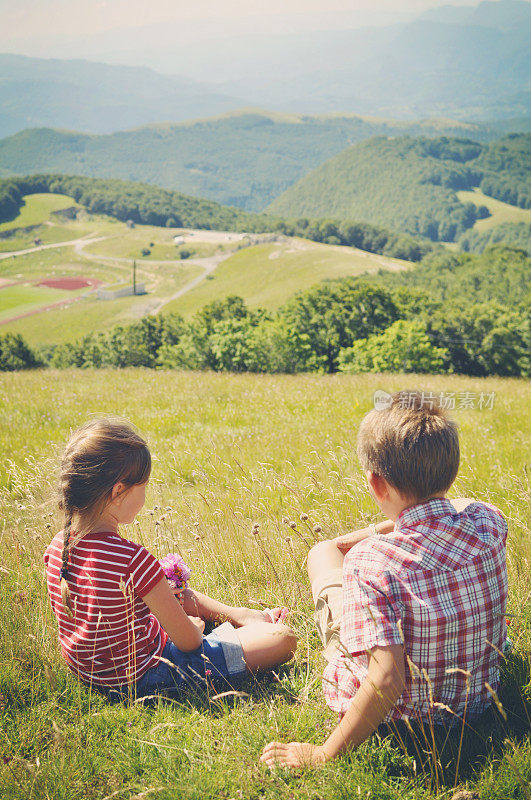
(231, 451)
(245, 159)
(36, 210)
(507, 224)
(409, 184)
(499, 212)
(265, 274)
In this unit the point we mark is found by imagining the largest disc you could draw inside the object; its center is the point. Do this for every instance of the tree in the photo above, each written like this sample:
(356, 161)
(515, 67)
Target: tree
(15, 353)
(403, 347)
(333, 315)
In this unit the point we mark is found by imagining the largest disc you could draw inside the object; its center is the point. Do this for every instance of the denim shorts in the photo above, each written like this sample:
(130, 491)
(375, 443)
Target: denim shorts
(219, 662)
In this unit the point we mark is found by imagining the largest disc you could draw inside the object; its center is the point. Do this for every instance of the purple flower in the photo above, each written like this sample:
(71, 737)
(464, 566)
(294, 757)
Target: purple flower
(176, 570)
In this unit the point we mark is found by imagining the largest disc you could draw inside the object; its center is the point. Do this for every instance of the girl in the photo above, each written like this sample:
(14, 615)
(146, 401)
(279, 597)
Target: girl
(121, 628)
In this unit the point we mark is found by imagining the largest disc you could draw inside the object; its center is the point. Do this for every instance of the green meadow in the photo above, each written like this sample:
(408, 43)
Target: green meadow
(36, 208)
(231, 451)
(263, 274)
(267, 274)
(499, 211)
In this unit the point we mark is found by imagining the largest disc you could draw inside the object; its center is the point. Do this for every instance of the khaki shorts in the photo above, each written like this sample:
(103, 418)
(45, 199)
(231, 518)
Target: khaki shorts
(327, 594)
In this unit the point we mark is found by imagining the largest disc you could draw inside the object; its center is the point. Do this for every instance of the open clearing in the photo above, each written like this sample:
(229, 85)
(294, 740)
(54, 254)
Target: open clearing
(500, 212)
(229, 451)
(262, 270)
(37, 209)
(266, 275)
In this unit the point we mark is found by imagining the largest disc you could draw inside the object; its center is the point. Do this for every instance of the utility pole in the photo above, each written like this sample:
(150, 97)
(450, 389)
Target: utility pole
(134, 277)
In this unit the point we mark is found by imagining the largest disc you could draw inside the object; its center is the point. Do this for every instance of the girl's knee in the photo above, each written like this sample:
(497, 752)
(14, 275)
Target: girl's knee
(289, 639)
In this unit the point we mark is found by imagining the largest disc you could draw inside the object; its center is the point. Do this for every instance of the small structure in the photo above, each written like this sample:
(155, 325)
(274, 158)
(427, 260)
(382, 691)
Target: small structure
(130, 223)
(120, 290)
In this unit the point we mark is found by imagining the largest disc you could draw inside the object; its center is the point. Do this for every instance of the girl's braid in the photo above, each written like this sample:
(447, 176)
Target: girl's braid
(65, 593)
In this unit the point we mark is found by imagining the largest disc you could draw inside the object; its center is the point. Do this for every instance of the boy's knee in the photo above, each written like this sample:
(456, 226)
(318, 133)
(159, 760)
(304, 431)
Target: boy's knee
(320, 553)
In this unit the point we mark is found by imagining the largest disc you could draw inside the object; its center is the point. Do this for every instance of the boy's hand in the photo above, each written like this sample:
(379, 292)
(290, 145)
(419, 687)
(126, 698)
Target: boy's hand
(293, 754)
(198, 622)
(347, 542)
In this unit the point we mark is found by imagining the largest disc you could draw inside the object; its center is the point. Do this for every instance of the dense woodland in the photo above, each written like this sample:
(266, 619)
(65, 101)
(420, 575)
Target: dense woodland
(244, 159)
(151, 205)
(463, 313)
(410, 184)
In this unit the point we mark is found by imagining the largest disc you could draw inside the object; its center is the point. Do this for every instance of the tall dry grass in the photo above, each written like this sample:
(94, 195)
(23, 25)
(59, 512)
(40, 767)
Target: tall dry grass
(249, 472)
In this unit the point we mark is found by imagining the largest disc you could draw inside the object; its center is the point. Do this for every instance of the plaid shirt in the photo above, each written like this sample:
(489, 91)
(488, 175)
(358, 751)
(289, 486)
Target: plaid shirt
(438, 584)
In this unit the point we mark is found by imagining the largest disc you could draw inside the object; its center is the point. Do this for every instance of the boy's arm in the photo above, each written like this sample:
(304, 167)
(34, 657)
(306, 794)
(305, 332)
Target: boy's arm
(370, 705)
(348, 540)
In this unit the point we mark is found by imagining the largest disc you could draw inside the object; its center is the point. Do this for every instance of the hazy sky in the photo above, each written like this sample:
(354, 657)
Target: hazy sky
(26, 19)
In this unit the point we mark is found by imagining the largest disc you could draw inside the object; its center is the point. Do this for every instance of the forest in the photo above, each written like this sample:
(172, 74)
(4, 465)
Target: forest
(410, 184)
(151, 205)
(414, 321)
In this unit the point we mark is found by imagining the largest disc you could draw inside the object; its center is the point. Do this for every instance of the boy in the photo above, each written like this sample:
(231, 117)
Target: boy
(411, 611)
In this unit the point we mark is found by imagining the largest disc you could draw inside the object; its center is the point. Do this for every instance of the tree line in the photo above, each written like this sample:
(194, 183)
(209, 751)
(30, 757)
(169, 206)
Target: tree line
(412, 323)
(150, 205)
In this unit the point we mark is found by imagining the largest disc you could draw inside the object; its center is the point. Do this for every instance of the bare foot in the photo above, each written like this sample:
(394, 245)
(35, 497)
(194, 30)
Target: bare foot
(246, 616)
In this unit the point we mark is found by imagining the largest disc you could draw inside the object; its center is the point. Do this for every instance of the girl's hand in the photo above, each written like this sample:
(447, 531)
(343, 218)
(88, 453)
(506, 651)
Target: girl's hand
(293, 754)
(179, 595)
(198, 622)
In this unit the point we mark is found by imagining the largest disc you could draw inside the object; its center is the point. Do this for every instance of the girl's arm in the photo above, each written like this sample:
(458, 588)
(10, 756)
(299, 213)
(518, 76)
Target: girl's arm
(162, 603)
(370, 705)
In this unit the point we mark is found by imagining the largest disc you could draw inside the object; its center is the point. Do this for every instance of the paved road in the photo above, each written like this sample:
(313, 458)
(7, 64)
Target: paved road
(29, 250)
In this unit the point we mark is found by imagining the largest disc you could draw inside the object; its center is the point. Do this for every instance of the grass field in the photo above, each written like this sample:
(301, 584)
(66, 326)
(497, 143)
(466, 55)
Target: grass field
(264, 274)
(37, 209)
(500, 212)
(267, 274)
(24, 298)
(230, 451)
(90, 314)
(159, 241)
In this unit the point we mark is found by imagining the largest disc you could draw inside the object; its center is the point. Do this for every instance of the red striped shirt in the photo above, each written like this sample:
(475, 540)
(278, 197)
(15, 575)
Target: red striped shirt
(113, 638)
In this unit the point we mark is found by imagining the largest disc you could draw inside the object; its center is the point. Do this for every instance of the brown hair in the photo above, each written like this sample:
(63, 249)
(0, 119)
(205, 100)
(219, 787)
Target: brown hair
(412, 444)
(100, 454)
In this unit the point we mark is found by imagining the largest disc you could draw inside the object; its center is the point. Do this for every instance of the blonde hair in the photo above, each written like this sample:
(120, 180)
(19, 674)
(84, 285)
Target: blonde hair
(412, 444)
(100, 454)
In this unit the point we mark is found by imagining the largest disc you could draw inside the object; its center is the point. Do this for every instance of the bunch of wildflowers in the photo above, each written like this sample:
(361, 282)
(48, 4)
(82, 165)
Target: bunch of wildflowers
(176, 570)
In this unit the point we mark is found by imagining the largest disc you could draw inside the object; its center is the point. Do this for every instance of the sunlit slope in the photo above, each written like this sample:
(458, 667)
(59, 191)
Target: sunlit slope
(411, 185)
(266, 275)
(500, 212)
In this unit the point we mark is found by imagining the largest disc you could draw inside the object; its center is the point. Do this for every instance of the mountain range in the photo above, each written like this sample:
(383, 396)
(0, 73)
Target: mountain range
(243, 159)
(460, 62)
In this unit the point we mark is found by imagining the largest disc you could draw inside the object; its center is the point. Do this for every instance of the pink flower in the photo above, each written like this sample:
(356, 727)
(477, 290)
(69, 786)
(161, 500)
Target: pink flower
(176, 570)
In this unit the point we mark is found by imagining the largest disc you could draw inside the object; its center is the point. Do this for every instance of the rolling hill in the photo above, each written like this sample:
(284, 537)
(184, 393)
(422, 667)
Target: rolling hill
(245, 159)
(410, 184)
(96, 248)
(466, 63)
(90, 96)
